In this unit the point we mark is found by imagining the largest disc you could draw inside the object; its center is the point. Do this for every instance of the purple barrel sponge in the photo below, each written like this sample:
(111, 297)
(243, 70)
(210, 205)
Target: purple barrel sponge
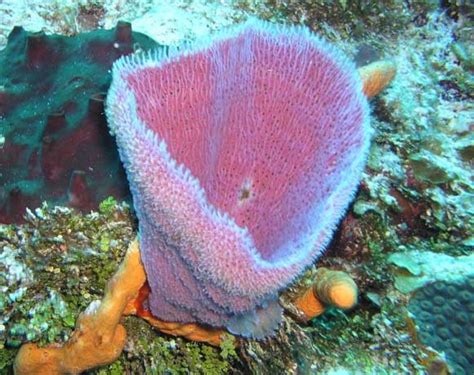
(242, 152)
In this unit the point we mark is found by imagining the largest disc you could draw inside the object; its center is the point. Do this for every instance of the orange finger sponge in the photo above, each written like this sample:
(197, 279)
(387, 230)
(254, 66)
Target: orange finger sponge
(335, 288)
(190, 331)
(99, 337)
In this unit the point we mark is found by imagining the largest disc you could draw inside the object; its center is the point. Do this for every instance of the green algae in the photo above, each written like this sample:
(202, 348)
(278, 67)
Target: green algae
(149, 352)
(107, 206)
(7, 356)
(54, 267)
(417, 268)
(63, 260)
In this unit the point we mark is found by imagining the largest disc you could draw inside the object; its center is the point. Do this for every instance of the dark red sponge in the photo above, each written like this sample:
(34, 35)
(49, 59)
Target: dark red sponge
(57, 147)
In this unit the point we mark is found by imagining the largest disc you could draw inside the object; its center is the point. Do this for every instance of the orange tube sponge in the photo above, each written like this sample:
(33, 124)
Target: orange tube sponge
(334, 288)
(99, 337)
(309, 305)
(376, 76)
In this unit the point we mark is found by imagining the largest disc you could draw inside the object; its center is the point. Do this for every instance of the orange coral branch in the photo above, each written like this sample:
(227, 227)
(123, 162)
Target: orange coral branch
(99, 337)
(334, 288)
(376, 76)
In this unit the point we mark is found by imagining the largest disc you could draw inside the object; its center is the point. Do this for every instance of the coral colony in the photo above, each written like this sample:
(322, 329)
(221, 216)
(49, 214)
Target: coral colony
(242, 153)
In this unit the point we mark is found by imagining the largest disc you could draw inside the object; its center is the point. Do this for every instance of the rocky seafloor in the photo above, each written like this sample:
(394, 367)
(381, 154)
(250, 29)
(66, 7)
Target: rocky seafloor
(407, 239)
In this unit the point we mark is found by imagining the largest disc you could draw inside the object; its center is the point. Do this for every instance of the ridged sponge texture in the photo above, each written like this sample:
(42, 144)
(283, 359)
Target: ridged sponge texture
(242, 153)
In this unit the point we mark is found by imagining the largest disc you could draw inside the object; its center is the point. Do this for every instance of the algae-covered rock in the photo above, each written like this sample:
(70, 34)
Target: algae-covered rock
(53, 266)
(465, 54)
(347, 17)
(418, 268)
(406, 261)
(431, 168)
(465, 146)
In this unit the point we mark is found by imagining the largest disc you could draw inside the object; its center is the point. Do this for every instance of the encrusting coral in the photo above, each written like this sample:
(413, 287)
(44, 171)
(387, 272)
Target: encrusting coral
(330, 288)
(444, 316)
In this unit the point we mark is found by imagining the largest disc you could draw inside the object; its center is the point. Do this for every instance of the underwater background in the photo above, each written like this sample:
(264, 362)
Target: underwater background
(406, 239)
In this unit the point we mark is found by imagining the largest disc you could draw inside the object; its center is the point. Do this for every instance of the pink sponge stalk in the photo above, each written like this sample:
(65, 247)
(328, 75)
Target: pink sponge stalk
(242, 153)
